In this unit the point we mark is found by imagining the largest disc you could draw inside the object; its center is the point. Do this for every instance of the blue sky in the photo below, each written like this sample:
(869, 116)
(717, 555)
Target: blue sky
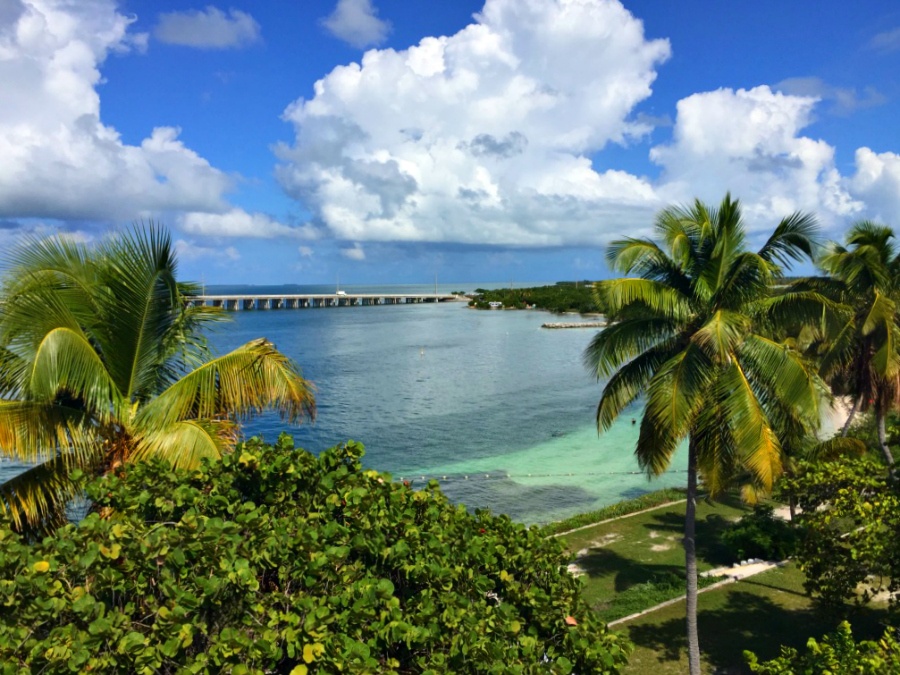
(384, 141)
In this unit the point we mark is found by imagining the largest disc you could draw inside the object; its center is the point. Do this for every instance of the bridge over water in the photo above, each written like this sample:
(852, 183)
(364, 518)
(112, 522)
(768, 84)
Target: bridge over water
(314, 300)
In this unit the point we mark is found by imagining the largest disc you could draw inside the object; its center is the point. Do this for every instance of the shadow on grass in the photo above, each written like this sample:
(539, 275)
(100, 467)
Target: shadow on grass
(709, 532)
(747, 621)
(603, 562)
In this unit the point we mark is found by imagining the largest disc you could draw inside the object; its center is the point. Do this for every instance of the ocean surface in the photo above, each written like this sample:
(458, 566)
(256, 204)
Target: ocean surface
(496, 408)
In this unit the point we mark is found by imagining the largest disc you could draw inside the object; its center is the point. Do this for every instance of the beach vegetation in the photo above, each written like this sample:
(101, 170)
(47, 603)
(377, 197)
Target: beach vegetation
(103, 362)
(560, 298)
(274, 560)
(690, 333)
(850, 515)
(761, 534)
(859, 349)
(836, 652)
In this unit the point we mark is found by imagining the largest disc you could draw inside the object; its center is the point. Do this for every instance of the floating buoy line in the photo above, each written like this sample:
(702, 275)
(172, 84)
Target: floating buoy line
(501, 476)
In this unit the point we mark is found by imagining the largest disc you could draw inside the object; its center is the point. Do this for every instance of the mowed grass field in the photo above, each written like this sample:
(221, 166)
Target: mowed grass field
(625, 559)
(637, 561)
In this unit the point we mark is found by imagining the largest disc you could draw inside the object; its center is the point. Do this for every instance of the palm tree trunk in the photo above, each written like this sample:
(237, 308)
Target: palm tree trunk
(850, 416)
(882, 440)
(690, 561)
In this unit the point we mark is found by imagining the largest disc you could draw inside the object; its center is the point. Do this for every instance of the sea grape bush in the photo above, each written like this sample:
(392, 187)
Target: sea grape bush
(850, 515)
(837, 653)
(273, 560)
(761, 535)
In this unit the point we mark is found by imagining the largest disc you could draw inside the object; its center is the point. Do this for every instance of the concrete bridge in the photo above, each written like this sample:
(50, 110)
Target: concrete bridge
(310, 301)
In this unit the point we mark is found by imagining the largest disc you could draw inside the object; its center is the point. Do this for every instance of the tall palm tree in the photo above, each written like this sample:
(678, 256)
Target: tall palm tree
(688, 333)
(862, 353)
(102, 361)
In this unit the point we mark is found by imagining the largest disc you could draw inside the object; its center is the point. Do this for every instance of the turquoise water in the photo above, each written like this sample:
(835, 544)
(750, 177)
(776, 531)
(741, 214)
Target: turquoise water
(496, 408)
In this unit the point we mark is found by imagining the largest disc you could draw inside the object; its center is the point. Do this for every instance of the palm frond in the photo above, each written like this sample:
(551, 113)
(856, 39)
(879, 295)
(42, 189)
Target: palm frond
(794, 238)
(621, 341)
(629, 381)
(138, 269)
(783, 371)
(66, 364)
(238, 385)
(721, 334)
(184, 444)
(32, 431)
(756, 443)
(674, 395)
(659, 298)
(836, 449)
(36, 499)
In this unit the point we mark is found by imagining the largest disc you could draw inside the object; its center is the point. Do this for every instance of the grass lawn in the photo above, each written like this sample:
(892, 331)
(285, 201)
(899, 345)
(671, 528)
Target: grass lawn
(759, 613)
(636, 562)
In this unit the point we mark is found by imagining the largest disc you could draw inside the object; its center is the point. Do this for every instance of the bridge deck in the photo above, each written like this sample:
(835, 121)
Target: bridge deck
(313, 300)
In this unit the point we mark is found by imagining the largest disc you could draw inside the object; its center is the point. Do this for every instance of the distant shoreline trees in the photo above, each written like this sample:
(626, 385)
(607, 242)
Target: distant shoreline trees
(564, 296)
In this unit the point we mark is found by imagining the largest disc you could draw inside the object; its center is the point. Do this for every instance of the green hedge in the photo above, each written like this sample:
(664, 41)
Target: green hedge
(837, 653)
(273, 560)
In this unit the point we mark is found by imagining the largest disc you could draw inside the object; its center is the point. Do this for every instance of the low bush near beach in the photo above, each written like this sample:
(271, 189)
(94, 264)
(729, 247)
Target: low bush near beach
(761, 535)
(273, 560)
(838, 652)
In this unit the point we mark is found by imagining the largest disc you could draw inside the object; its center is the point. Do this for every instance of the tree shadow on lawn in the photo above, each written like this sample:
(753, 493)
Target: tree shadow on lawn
(709, 532)
(747, 621)
(603, 562)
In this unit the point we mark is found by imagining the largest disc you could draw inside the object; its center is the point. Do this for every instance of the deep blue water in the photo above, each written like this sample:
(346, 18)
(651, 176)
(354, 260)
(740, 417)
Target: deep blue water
(498, 409)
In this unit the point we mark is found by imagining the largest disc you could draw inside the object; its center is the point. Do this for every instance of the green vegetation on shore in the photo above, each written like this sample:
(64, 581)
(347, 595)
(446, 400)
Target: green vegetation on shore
(565, 296)
(273, 560)
(205, 555)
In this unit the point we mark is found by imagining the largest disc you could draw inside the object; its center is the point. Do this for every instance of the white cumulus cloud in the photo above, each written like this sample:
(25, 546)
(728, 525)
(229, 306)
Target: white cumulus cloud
(58, 158)
(210, 28)
(877, 182)
(483, 136)
(356, 22)
(239, 223)
(750, 142)
(188, 250)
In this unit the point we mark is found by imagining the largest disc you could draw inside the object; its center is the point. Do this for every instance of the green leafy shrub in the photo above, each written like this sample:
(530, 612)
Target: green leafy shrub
(761, 535)
(838, 653)
(273, 560)
(562, 297)
(850, 514)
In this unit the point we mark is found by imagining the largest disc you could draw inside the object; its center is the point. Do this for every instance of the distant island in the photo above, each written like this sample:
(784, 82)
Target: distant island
(564, 296)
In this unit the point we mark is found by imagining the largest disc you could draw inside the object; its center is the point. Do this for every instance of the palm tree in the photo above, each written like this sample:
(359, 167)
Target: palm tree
(102, 362)
(862, 353)
(688, 334)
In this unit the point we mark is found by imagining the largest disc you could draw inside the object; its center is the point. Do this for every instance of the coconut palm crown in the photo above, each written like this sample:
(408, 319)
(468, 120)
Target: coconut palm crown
(689, 333)
(102, 362)
(861, 357)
